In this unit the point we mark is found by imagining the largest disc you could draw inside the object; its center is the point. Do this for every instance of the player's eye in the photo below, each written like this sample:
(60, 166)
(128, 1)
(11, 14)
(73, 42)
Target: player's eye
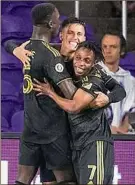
(79, 34)
(70, 32)
(78, 58)
(113, 46)
(104, 47)
(87, 60)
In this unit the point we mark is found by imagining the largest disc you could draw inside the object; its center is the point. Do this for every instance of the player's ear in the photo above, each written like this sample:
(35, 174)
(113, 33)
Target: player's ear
(60, 36)
(122, 53)
(84, 38)
(50, 24)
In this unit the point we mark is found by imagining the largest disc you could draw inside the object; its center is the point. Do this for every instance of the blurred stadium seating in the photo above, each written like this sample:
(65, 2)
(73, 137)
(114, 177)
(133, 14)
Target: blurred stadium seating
(17, 121)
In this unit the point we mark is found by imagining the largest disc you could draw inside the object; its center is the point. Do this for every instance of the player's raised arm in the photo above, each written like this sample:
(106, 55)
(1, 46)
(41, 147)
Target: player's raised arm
(18, 51)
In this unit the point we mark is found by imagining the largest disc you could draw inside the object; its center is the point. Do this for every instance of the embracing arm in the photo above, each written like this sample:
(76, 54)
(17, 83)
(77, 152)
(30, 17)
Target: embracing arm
(117, 92)
(79, 101)
(10, 45)
(76, 104)
(18, 51)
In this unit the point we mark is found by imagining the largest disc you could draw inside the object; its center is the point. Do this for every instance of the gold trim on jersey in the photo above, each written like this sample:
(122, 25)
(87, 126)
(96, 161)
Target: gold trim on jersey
(85, 79)
(100, 162)
(28, 89)
(53, 50)
(26, 67)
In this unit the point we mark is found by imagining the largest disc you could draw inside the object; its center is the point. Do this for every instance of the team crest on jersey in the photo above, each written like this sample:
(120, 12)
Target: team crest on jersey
(59, 67)
(98, 75)
(87, 85)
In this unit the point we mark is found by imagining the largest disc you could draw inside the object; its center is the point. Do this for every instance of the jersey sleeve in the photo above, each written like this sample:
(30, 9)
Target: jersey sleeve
(56, 70)
(94, 85)
(117, 92)
(10, 45)
(105, 77)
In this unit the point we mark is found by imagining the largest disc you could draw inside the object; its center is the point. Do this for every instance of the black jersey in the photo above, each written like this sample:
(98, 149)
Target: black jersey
(91, 124)
(44, 120)
(69, 65)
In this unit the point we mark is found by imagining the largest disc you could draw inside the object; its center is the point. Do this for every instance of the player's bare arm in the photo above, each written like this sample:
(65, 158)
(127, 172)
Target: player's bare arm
(73, 106)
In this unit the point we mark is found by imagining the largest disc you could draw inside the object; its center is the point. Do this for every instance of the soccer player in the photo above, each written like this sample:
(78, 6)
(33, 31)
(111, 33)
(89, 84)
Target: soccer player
(45, 124)
(72, 33)
(92, 145)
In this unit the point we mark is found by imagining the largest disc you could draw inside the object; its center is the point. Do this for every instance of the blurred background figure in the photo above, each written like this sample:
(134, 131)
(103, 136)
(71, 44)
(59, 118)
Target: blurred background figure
(113, 47)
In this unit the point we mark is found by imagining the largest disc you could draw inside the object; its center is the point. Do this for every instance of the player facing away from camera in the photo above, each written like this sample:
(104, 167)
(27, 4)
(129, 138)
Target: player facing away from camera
(45, 124)
(92, 144)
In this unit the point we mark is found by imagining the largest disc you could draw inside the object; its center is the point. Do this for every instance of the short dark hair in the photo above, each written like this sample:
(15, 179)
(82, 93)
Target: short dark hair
(93, 46)
(42, 13)
(123, 43)
(72, 20)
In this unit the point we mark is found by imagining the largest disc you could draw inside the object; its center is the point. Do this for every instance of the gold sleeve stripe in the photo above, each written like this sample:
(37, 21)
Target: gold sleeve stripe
(58, 53)
(53, 50)
(28, 89)
(97, 163)
(100, 178)
(100, 162)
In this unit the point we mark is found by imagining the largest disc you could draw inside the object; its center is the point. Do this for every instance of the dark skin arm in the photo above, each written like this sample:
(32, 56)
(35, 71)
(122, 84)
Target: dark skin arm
(100, 101)
(73, 106)
(77, 103)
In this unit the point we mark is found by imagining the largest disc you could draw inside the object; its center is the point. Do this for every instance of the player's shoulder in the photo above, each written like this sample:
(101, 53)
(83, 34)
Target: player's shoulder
(100, 68)
(50, 51)
(96, 71)
(102, 72)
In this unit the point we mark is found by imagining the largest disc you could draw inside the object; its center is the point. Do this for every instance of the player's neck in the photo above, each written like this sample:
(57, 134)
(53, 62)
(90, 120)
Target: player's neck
(114, 67)
(40, 33)
(67, 54)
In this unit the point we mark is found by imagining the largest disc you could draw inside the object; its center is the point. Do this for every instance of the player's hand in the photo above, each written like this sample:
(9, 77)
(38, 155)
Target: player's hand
(100, 101)
(117, 130)
(42, 88)
(114, 130)
(22, 54)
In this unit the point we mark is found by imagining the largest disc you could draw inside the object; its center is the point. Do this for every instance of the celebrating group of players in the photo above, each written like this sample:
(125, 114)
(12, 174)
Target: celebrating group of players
(66, 132)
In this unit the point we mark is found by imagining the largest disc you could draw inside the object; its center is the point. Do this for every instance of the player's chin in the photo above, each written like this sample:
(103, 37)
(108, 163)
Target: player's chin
(78, 73)
(71, 49)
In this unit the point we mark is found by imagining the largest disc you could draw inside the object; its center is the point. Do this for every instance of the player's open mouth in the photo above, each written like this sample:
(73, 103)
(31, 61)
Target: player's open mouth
(73, 44)
(108, 56)
(79, 70)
